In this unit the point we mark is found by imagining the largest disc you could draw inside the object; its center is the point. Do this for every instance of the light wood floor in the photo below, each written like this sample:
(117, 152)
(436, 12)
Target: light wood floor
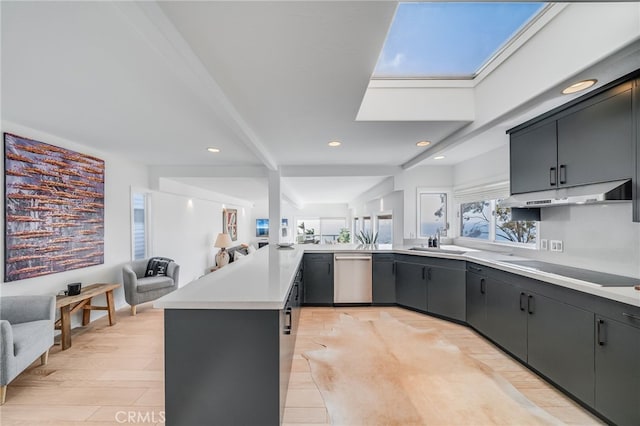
(111, 373)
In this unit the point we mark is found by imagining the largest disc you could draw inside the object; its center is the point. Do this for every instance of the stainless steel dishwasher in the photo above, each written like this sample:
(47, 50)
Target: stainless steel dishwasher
(352, 278)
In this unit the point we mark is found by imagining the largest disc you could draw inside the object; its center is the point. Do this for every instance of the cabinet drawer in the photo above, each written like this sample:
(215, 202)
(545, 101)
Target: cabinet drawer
(318, 256)
(383, 257)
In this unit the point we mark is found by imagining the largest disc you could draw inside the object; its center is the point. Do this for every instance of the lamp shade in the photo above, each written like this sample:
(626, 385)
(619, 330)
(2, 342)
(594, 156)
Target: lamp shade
(223, 241)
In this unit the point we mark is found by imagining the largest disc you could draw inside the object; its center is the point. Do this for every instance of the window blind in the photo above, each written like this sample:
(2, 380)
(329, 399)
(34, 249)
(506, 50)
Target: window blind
(493, 191)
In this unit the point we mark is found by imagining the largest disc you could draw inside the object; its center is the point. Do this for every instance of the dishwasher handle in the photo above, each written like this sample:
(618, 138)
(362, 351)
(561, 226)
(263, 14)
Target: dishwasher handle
(353, 258)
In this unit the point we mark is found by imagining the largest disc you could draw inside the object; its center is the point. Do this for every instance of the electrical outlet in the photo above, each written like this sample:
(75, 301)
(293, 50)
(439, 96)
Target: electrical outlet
(544, 244)
(557, 245)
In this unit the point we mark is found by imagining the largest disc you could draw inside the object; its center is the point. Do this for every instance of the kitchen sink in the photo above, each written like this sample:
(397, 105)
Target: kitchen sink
(438, 250)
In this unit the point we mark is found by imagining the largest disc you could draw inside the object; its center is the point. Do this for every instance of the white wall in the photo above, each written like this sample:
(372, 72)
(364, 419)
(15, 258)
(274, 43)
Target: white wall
(433, 178)
(120, 175)
(598, 237)
(185, 228)
(491, 167)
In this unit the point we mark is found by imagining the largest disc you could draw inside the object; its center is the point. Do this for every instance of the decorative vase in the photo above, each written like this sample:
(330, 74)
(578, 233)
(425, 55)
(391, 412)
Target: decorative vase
(222, 258)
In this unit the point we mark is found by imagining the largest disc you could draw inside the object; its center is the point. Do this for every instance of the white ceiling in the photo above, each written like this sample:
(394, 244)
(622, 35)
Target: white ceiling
(269, 83)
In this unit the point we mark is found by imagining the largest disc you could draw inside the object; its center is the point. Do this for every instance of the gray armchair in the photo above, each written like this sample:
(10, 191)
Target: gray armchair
(139, 289)
(26, 333)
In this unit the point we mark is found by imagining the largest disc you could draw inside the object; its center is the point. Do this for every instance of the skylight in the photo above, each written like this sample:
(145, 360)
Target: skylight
(449, 40)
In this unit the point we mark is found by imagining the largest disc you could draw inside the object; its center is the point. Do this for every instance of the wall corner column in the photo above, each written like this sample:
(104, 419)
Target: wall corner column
(275, 201)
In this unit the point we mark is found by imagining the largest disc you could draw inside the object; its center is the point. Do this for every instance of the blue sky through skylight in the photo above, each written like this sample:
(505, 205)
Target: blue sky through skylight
(449, 39)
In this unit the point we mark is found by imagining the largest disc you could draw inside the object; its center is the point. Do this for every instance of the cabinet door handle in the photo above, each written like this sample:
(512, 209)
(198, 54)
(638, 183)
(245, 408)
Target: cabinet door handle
(297, 291)
(483, 286)
(328, 268)
(423, 268)
(553, 176)
(530, 304)
(522, 297)
(287, 320)
(602, 337)
(393, 268)
(633, 317)
(563, 174)
(429, 274)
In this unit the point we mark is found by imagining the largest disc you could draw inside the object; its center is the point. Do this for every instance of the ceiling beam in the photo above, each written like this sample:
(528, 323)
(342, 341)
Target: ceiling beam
(339, 170)
(149, 19)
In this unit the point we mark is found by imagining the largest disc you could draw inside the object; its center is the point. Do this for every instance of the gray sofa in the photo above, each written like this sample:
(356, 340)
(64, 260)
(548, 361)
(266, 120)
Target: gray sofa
(139, 289)
(26, 333)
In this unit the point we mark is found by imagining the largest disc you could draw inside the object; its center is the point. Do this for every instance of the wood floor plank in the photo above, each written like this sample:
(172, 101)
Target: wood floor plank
(119, 368)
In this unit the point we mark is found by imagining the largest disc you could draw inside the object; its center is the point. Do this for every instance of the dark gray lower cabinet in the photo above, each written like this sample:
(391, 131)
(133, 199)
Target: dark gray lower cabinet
(560, 344)
(224, 366)
(446, 289)
(384, 279)
(318, 278)
(506, 320)
(411, 285)
(617, 358)
(476, 298)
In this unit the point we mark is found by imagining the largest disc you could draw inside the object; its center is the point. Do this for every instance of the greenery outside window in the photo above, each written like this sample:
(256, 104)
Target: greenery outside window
(486, 220)
(325, 230)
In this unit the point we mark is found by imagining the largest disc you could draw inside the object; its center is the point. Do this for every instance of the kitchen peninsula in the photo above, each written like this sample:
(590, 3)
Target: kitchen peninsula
(229, 336)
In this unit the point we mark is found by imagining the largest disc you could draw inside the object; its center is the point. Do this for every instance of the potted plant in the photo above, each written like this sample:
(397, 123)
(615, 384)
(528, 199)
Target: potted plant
(367, 238)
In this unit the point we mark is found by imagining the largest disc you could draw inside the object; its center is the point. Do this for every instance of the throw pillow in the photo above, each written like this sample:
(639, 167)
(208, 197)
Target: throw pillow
(251, 249)
(157, 266)
(238, 255)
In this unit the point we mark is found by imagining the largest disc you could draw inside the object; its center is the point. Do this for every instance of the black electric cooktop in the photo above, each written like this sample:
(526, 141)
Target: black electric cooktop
(600, 278)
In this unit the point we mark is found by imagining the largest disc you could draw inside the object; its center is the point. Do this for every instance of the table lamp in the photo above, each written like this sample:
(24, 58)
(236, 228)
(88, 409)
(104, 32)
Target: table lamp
(222, 242)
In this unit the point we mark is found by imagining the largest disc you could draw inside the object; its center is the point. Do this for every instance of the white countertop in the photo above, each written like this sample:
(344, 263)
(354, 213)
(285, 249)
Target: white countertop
(262, 280)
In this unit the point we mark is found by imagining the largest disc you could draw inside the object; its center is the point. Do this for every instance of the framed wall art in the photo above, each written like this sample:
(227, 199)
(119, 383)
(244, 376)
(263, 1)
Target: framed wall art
(230, 223)
(54, 209)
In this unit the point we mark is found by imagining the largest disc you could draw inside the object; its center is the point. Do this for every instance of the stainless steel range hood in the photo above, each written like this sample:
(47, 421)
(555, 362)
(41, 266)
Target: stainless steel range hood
(619, 190)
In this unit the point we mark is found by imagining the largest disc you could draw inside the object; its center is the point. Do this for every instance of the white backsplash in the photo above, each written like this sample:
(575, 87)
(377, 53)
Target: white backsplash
(599, 237)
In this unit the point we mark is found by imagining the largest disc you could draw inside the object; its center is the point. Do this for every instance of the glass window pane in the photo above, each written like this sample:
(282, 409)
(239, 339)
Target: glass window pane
(366, 224)
(476, 220)
(139, 226)
(522, 231)
(455, 39)
(433, 213)
(385, 229)
(307, 230)
(331, 228)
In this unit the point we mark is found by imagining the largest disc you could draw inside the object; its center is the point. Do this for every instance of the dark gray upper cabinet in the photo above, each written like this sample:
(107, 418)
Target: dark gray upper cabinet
(533, 154)
(384, 279)
(560, 344)
(588, 141)
(318, 279)
(618, 371)
(411, 285)
(595, 142)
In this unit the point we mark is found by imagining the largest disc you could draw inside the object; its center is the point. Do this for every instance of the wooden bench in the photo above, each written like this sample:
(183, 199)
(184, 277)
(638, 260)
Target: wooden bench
(70, 304)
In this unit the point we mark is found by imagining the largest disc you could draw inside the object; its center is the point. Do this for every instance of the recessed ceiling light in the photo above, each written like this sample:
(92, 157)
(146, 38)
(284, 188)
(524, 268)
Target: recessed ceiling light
(423, 143)
(214, 150)
(439, 157)
(335, 143)
(581, 85)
